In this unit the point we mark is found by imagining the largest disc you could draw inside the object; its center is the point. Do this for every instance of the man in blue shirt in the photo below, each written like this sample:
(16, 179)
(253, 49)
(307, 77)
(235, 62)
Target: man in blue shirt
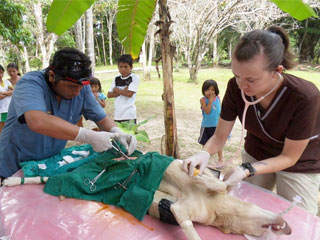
(44, 109)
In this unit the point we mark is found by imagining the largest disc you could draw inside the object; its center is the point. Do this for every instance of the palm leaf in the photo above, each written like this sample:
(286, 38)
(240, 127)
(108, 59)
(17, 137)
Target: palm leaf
(296, 8)
(64, 13)
(146, 120)
(133, 18)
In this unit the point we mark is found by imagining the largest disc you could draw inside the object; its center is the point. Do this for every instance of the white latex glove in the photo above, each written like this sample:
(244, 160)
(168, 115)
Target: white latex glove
(199, 159)
(100, 141)
(127, 140)
(234, 176)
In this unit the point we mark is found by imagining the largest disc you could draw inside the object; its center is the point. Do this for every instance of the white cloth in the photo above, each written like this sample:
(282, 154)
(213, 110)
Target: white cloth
(4, 103)
(124, 107)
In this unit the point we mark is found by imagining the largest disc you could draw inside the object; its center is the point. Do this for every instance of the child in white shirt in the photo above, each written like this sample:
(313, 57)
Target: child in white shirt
(124, 88)
(6, 90)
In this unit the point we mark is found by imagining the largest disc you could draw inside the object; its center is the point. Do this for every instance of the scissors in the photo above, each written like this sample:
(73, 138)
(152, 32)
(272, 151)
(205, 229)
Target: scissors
(118, 149)
(92, 182)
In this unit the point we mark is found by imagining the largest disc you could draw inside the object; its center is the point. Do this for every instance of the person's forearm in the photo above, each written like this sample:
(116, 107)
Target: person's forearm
(102, 102)
(289, 156)
(8, 93)
(218, 140)
(124, 92)
(106, 124)
(214, 145)
(207, 108)
(50, 125)
(112, 95)
(272, 165)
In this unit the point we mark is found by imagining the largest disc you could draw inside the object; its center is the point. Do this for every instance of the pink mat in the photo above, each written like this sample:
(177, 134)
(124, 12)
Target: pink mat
(26, 212)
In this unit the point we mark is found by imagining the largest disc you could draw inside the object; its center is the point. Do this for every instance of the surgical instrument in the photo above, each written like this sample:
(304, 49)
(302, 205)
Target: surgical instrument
(118, 149)
(125, 183)
(92, 182)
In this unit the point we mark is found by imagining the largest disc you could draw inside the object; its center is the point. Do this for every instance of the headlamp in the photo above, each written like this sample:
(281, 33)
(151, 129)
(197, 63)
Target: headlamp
(75, 71)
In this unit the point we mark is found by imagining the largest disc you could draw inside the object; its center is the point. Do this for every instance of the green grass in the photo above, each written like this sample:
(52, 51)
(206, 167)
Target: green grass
(187, 95)
(311, 76)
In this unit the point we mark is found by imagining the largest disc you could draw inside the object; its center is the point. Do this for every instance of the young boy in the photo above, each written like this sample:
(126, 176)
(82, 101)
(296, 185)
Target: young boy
(124, 88)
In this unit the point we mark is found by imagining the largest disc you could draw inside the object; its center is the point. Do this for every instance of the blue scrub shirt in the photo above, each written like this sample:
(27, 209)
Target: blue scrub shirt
(18, 143)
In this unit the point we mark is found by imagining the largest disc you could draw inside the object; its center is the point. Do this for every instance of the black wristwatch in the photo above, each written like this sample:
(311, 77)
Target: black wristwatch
(248, 166)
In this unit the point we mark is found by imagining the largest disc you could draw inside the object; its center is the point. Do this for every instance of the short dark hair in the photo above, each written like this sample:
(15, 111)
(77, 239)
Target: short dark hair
(13, 65)
(207, 84)
(125, 58)
(70, 63)
(95, 81)
(274, 43)
(1, 68)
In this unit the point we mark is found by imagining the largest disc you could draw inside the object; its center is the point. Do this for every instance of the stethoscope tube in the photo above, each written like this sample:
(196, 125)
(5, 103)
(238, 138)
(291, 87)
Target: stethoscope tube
(246, 106)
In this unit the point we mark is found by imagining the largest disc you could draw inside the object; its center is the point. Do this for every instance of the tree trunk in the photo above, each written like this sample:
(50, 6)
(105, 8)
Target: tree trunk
(230, 50)
(177, 60)
(109, 23)
(168, 96)
(308, 40)
(89, 37)
(37, 10)
(177, 65)
(146, 72)
(84, 34)
(193, 74)
(97, 48)
(26, 59)
(78, 35)
(215, 54)
(51, 41)
(151, 44)
(103, 46)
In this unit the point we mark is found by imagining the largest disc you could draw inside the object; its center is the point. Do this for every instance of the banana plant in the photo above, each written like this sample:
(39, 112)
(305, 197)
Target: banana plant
(134, 16)
(133, 19)
(131, 128)
(296, 8)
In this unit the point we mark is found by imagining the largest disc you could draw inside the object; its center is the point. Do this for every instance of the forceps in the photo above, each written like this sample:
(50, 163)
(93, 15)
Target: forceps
(125, 183)
(118, 149)
(87, 181)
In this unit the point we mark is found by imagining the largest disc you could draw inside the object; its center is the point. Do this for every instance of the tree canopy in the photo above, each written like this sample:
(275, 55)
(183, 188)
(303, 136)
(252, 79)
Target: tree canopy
(11, 22)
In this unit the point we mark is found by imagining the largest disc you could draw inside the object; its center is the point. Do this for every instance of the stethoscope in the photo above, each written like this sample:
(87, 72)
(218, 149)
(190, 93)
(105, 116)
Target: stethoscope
(247, 105)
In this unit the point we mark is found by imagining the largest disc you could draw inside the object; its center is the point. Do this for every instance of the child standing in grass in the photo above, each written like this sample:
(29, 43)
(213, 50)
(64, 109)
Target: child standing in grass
(6, 90)
(97, 91)
(124, 89)
(211, 107)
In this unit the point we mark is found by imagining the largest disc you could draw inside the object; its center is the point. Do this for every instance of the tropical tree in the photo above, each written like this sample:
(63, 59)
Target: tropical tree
(12, 30)
(307, 39)
(89, 37)
(45, 40)
(167, 52)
